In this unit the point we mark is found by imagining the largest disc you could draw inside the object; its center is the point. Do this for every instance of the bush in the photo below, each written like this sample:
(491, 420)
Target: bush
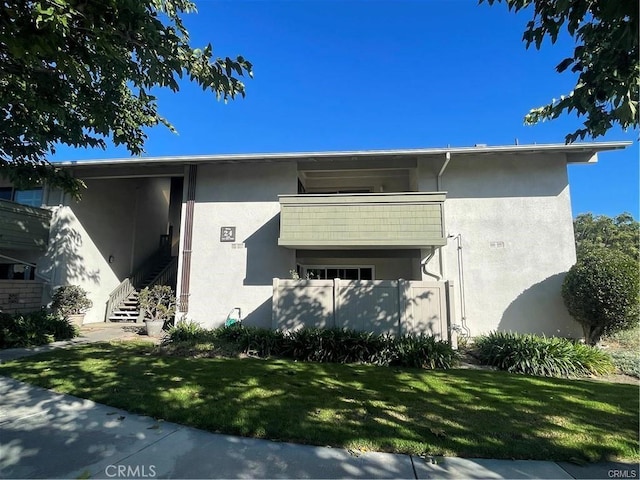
(535, 355)
(323, 345)
(187, 331)
(157, 302)
(337, 346)
(423, 352)
(252, 340)
(70, 300)
(33, 329)
(601, 293)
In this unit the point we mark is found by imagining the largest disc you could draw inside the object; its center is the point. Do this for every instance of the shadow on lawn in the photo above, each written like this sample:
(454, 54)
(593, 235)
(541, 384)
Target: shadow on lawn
(461, 412)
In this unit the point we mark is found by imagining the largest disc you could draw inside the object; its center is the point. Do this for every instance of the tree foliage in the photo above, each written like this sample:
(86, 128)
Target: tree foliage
(605, 59)
(601, 292)
(77, 72)
(621, 233)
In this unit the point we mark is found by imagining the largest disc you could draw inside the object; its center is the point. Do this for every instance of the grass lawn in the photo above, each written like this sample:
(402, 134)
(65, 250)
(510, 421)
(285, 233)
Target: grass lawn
(468, 413)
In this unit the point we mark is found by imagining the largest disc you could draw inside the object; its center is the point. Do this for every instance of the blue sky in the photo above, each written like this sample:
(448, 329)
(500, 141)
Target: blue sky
(368, 74)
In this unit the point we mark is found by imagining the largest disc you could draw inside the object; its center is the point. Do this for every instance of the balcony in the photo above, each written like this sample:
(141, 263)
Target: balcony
(23, 227)
(362, 221)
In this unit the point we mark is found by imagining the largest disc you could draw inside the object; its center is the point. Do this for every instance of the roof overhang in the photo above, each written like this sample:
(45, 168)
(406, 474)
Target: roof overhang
(575, 153)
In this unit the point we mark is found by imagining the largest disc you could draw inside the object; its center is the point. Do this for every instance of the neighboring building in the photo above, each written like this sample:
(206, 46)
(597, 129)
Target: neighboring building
(436, 240)
(24, 235)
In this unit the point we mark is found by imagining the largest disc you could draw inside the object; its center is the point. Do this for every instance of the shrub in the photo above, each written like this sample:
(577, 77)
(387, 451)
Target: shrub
(323, 345)
(535, 355)
(601, 292)
(157, 302)
(187, 331)
(627, 362)
(32, 329)
(337, 346)
(70, 300)
(423, 352)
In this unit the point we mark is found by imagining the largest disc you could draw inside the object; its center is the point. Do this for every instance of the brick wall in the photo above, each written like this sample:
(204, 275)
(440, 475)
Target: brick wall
(20, 296)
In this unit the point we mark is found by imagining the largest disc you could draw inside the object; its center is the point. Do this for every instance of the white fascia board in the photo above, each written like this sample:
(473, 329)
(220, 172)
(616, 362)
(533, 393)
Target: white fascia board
(575, 148)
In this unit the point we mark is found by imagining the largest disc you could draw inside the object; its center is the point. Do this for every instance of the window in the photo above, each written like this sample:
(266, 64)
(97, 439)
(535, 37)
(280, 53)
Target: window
(321, 272)
(16, 271)
(32, 198)
(6, 193)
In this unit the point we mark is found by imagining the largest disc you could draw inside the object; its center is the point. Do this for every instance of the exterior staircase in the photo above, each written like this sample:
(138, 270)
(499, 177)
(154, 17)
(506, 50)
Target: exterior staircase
(159, 269)
(128, 310)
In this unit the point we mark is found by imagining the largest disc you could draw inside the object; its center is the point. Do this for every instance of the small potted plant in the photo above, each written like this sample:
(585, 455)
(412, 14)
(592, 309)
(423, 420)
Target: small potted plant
(71, 302)
(157, 306)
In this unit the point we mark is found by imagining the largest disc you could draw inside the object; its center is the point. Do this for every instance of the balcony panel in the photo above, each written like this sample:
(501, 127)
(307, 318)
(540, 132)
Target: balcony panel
(362, 221)
(23, 227)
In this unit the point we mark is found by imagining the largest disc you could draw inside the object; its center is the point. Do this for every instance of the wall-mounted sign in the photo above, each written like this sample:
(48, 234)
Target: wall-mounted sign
(227, 234)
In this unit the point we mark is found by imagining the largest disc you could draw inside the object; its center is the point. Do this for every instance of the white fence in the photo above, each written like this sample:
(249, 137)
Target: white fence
(380, 306)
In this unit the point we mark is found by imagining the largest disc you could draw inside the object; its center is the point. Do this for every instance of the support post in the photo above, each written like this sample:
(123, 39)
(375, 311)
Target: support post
(336, 302)
(192, 173)
(452, 332)
(275, 309)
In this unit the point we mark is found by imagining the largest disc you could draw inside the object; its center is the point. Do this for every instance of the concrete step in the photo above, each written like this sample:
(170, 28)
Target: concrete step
(125, 315)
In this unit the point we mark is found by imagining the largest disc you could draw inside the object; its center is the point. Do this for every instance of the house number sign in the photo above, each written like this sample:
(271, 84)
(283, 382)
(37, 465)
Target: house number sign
(227, 234)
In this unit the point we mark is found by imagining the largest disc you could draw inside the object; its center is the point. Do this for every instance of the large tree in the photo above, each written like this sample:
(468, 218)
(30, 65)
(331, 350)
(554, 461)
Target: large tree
(78, 72)
(605, 59)
(620, 233)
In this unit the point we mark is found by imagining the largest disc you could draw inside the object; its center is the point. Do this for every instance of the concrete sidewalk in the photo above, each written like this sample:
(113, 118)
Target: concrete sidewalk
(44, 434)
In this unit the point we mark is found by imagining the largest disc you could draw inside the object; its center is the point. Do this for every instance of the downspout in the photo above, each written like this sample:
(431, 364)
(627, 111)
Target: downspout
(447, 159)
(463, 305)
(441, 257)
(425, 265)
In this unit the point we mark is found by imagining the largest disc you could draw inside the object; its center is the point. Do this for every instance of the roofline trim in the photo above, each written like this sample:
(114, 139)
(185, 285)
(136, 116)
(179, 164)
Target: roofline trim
(593, 147)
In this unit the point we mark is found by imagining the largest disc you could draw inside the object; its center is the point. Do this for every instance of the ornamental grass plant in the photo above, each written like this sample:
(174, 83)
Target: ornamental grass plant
(539, 355)
(316, 345)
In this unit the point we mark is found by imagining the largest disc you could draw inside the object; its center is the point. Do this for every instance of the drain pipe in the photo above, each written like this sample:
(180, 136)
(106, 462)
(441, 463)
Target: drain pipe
(463, 306)
(425, 267)
(441, 256)
(447, 159)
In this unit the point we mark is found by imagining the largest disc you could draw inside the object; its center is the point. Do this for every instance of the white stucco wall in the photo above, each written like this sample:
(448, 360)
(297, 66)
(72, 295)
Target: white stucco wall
(122, 218)
(514, 218)
(238, 274)
(513, 215)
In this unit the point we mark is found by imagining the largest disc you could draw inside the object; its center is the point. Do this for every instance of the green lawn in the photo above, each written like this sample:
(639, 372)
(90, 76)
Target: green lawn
(455, 412)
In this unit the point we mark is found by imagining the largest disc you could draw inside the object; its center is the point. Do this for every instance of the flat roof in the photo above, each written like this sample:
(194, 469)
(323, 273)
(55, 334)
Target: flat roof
(576, 153)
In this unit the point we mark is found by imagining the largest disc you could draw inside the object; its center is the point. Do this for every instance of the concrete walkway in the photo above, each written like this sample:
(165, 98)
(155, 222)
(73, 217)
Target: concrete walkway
(49, 435)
